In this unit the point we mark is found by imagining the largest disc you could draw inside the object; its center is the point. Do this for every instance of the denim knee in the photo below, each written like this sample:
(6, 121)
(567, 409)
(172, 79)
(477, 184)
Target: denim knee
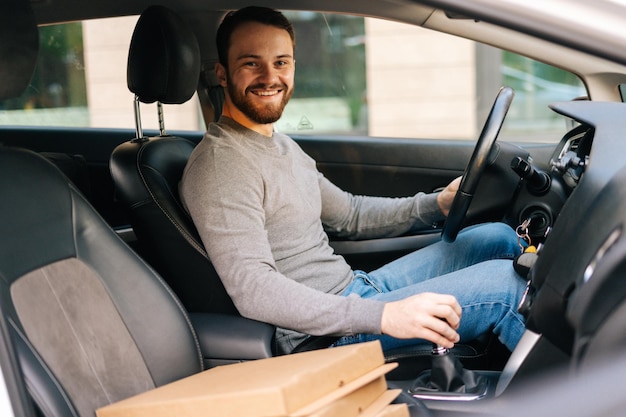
(498, 238)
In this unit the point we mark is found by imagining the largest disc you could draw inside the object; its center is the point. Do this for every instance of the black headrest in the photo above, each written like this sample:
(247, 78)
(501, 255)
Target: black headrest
(164, 58)
(19, 45)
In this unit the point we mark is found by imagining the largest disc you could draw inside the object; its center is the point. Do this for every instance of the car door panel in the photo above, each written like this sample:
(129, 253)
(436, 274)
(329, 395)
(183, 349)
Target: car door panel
(395, 168)
(360, 165)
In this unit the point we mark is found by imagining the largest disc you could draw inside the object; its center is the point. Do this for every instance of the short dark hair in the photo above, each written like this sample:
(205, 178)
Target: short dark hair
(234, 19)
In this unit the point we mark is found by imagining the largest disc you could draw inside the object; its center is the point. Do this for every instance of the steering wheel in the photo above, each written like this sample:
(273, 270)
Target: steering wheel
(476, 165)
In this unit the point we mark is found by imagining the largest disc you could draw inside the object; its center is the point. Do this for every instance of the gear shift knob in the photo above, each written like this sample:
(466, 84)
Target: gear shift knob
(439, 350)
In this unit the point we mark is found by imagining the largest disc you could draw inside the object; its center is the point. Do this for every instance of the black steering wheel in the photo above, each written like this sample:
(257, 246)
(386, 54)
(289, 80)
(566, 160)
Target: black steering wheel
(476, 165)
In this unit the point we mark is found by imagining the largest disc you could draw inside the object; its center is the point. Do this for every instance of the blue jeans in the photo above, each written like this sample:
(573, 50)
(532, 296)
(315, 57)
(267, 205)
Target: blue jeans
(476, 269)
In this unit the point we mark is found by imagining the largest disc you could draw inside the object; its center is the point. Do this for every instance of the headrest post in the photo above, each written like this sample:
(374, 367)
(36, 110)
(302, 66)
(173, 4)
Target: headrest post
(161, 119)
(138, 129)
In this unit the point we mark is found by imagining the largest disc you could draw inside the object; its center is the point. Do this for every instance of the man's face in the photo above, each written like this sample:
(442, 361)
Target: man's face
(261, 65)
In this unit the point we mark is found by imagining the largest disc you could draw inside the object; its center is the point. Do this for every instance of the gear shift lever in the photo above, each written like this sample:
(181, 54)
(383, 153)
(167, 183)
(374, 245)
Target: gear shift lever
(447, 375)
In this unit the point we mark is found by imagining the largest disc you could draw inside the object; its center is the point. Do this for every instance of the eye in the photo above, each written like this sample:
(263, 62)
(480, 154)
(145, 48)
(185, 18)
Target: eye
(283, 62)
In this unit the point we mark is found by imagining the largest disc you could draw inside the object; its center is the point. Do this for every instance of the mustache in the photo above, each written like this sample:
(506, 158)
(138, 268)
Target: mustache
(261, 86)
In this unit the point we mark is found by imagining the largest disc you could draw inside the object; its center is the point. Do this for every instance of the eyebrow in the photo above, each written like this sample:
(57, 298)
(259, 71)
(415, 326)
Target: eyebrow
(253, 56)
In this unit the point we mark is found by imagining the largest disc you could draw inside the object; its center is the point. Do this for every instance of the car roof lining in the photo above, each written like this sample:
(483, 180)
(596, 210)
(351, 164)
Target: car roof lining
(53, 11)
(578, 24)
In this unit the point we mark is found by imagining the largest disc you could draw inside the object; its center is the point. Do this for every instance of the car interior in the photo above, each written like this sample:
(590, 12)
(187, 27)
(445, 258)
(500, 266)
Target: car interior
(95, 316)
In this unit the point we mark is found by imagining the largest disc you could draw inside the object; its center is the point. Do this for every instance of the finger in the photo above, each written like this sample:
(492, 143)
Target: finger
(449, 314)
(437, 338)
(447, 308)
(443, 328)
(451, 301)
(440, 327)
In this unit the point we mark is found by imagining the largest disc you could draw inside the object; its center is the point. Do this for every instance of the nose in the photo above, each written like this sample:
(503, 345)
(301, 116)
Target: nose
(268, 74)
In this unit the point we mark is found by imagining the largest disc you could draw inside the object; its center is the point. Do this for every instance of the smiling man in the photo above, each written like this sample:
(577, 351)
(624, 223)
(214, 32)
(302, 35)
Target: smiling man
(263, 211)
(257, 74)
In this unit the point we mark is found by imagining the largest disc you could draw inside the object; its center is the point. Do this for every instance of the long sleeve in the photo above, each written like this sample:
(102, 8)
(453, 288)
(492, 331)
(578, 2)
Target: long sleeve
(364, 217)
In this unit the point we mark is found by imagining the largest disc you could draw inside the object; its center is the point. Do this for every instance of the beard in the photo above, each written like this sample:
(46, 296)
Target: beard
(264, 114)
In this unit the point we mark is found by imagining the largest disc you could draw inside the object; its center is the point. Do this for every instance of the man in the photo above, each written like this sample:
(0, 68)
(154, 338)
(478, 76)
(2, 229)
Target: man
(263, 209)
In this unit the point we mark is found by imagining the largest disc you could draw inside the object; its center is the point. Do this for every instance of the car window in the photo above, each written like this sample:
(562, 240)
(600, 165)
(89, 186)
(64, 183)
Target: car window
(354, 76)
(80, 81)
(373, 77)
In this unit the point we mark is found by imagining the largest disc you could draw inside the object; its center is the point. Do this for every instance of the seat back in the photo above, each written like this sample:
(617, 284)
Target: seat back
(146, 176)
(164, 66)
(69, 287)
(94, 324)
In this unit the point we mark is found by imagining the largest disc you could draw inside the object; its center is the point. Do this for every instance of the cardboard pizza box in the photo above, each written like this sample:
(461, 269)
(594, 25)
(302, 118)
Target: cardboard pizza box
(354, 403)
(381, 403)
(395, 410)
(367, 401)
(349, 395)
(294, 384)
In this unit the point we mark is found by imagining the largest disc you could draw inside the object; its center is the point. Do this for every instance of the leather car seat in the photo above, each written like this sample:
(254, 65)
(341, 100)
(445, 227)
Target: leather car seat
(69, 285)
(79, 300)
(164, 66)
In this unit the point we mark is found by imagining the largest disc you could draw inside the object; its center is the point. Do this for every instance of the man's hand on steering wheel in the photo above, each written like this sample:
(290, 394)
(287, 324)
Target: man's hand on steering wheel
(446, 196)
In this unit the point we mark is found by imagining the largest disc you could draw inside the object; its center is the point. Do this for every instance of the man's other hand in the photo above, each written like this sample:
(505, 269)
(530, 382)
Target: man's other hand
(430, 316)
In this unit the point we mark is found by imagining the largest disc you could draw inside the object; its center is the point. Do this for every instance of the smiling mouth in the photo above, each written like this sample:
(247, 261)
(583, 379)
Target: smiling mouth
(267, 90)
(266, 93)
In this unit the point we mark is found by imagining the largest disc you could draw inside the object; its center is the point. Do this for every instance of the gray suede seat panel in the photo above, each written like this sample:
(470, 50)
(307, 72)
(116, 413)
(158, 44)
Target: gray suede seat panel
(65, 304)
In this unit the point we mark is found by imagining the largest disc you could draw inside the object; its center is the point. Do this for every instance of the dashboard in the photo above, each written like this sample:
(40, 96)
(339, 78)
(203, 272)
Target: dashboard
(590, 169)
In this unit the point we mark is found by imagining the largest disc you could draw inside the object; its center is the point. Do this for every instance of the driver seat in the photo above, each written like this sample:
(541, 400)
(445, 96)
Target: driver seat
(164, 66)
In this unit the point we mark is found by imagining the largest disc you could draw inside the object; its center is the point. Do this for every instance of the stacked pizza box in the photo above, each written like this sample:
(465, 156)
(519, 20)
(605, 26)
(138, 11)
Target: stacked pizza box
(346, 381)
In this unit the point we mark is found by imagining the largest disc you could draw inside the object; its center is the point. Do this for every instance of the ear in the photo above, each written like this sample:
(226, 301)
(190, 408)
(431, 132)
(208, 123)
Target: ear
(220, 72)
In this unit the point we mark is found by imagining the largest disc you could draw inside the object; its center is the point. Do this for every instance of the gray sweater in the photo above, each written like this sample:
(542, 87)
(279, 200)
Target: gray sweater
(263, 210)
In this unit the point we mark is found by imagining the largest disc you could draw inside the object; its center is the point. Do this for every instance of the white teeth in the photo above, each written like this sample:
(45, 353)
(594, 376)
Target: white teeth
(266, 93)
